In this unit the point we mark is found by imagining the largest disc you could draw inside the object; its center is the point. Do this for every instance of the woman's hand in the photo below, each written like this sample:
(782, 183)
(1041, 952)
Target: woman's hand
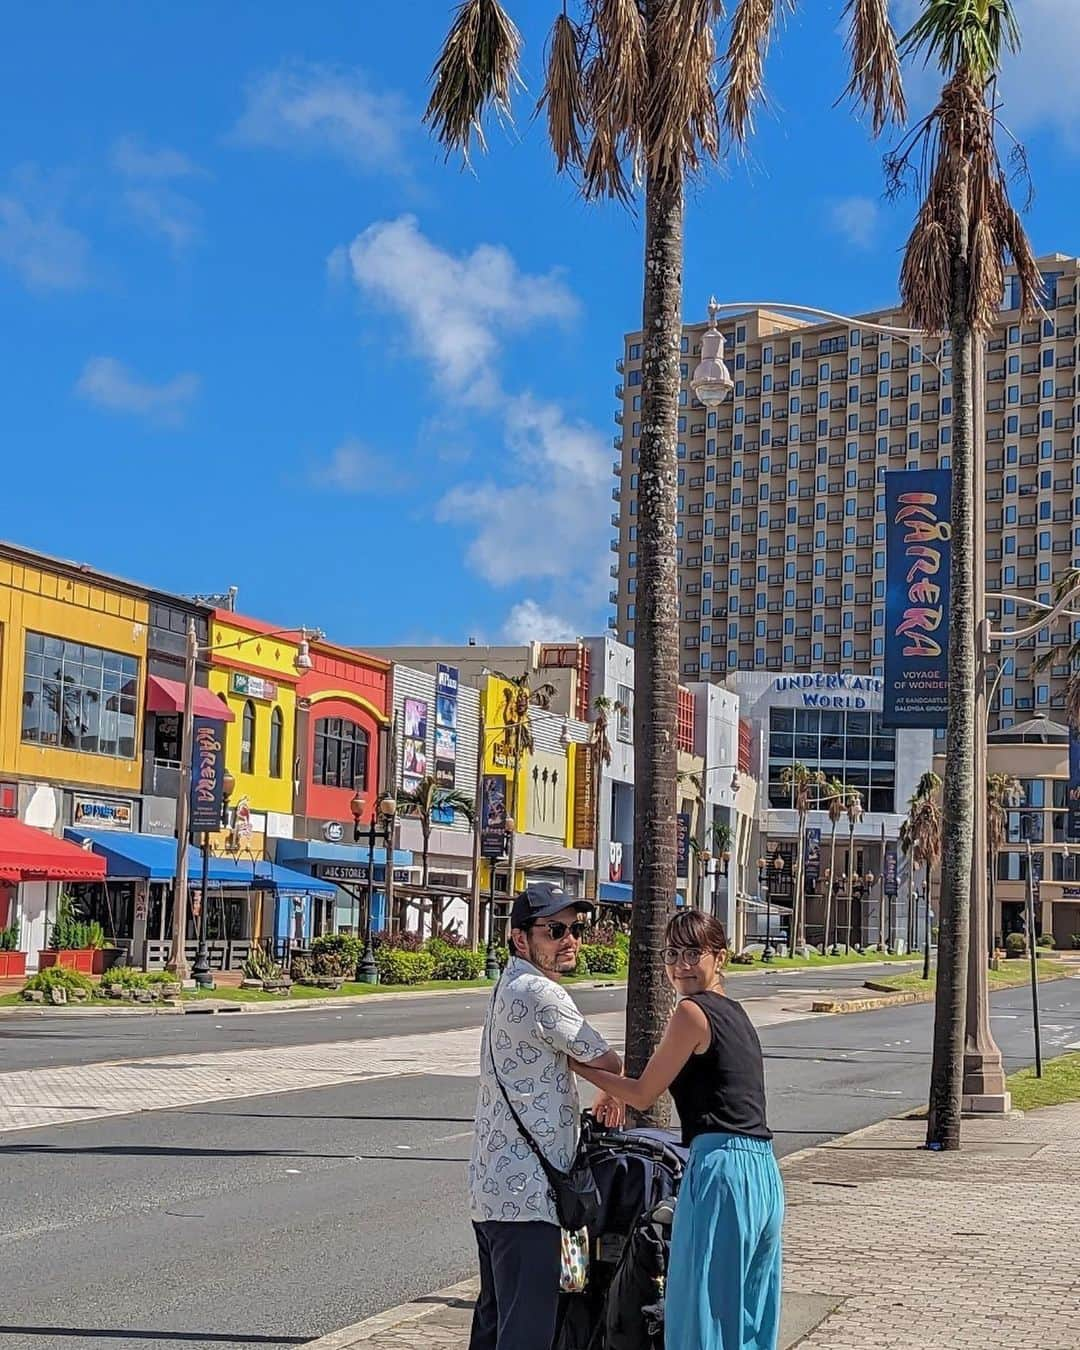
(608, 1111)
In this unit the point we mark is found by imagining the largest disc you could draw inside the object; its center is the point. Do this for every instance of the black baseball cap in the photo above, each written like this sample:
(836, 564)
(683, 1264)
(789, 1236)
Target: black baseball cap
(542, 899)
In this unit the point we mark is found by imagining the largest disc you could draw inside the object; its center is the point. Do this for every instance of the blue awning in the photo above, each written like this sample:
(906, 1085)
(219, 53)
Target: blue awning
(622, 893)
(152, 857)
(317, 851)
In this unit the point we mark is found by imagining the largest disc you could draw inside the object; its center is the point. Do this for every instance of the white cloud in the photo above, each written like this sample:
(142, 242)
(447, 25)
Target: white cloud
(150, 197)
(529, 622)
(35, 241)
(109, 384)
(545, 519)
(856, 220)
(1039, 87)
(319, 108)
(457, 309)
(353, 468)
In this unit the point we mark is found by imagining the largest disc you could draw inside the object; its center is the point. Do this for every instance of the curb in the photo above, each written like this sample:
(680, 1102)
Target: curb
(856, 1005)
(456, 1295)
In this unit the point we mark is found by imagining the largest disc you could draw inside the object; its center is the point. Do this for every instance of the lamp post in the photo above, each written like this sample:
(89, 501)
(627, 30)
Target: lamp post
(380, 825)
(765, 880)
(177, 964)
(200, 971)
(491, 961)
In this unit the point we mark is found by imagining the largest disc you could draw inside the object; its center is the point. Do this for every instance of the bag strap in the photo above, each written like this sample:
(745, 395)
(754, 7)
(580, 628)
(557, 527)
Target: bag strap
(550, 1171)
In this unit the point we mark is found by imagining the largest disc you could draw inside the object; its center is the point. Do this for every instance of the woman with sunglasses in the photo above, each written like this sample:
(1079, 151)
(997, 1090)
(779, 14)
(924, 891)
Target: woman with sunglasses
(723, 1289)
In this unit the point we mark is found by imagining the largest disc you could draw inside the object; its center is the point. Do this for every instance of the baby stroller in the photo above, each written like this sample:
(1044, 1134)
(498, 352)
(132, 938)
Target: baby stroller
(638, 1174)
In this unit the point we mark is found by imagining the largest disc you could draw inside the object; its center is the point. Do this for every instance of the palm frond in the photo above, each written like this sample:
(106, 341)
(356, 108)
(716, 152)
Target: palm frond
(748, 44)
(564, 94)
(681, 122)
(476, 71)
(615, 82)
(876, 82)
(971, 35)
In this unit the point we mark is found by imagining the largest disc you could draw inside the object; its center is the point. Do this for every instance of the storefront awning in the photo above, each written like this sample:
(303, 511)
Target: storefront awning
(290, 851)
(29, 854)
(152, 857)
(622, 893)
(167, 696)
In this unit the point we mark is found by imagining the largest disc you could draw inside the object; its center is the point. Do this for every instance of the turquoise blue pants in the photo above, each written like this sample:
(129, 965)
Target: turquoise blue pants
(723, 1289)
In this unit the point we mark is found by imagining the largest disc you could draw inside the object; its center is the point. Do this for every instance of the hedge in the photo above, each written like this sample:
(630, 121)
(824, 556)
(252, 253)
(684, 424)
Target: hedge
(398, 967)
(599, 960)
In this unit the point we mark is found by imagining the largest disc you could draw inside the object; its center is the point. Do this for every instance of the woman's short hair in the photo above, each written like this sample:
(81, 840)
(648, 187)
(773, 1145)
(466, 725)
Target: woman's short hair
(693, 928)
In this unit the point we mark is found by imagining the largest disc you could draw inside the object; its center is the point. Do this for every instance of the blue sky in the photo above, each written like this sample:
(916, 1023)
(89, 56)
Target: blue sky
(258, 333)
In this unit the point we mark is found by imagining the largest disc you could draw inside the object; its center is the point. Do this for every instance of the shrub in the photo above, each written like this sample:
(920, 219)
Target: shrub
(260, 965)
(9, 938)
(601, 934)
(1015, 944)
(452, 937)
(1047, 940)
(336, 954)
(622, 941)
(59, 977)
(129, 977)
(600, 960)
(743, 959)
(399, 967)
(404, 940)
(70, 933)
(455, 963)
(302, 969)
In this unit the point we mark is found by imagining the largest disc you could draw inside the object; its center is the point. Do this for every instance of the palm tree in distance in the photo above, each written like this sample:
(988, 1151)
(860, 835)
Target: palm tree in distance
(854, 809)
(1002, 789)
(600, 750)
(907, 844)
(425, 802)
(952, 280)
(835, 796)
(925, 815)
(803, 786)
(631, 105)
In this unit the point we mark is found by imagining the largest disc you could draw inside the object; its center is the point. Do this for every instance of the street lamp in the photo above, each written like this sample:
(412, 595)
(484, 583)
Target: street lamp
(765, 881)
(200, 971)
(177, 965)
(380, 825)
(491, 961)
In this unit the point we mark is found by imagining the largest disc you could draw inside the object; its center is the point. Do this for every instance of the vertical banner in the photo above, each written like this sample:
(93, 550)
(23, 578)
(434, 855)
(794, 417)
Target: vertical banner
(683, 854)
(446, 725)
(889, 874)
(207, 775)
(812, 855)
(584, 799)
(1074, 785)
(493, 815)
(414, 764)
(918, 509)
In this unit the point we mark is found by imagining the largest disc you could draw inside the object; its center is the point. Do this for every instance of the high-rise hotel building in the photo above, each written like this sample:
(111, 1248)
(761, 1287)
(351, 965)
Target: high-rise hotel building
(781, 519)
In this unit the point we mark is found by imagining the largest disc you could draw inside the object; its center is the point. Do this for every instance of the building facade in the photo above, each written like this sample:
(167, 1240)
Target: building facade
(781, 519)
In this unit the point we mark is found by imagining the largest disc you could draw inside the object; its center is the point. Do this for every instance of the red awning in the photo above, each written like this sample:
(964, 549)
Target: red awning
(28, 854)
(167, 696)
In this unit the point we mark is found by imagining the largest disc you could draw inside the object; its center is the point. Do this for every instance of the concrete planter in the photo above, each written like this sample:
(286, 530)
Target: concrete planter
(87, 960)
(12, 965)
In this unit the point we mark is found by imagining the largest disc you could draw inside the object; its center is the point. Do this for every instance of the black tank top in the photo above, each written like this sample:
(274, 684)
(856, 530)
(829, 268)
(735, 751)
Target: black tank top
(723, 1089)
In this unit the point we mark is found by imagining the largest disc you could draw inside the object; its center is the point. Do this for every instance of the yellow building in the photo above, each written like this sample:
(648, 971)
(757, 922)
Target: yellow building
(254, 671)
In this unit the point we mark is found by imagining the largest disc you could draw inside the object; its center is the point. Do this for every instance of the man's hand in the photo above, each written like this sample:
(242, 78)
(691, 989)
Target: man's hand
(608, 1111)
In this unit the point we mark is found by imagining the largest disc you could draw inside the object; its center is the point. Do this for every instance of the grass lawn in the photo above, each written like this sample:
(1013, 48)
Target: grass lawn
(1060, 1083)
(1011, 974)
(347, 990)
(814, 961)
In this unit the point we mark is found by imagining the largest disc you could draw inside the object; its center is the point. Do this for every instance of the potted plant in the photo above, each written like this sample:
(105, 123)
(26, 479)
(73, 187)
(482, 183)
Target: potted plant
(12, 961)
(78, 944)
(1015, 946)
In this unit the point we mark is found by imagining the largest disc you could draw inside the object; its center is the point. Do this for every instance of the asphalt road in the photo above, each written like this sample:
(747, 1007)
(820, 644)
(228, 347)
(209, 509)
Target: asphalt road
(272, 1220)
(29, 1039)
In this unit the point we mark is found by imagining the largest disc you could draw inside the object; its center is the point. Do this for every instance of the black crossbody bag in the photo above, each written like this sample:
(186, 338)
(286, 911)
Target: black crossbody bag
(577, 1197)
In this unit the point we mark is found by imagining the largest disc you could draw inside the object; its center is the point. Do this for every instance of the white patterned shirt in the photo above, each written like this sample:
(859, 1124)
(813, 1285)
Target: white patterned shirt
(537, 1030)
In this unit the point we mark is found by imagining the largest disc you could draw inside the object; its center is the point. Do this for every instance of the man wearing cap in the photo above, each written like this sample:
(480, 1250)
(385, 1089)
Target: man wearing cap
(533, 1031)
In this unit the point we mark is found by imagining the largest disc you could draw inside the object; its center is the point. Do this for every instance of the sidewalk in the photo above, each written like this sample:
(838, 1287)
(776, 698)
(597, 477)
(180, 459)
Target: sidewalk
(888, 1247)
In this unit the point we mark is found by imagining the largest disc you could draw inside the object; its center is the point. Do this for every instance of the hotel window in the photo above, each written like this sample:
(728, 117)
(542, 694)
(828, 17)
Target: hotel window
(79, 697)
(277, 728)
(850, 746)
(341, 754)
(247, 738)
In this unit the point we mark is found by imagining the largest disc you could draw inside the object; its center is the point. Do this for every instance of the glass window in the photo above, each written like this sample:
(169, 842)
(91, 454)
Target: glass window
(277, 728)
(79, 697)
(247, 738)
(341, 754)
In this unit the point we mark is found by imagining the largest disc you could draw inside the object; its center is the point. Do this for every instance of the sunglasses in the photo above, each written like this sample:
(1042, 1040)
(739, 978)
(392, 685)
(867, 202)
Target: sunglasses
(690, 956)
(559, 930)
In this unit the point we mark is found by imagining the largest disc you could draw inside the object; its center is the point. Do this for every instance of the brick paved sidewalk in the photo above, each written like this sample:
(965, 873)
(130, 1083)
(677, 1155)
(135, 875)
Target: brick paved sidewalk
(888, 1247)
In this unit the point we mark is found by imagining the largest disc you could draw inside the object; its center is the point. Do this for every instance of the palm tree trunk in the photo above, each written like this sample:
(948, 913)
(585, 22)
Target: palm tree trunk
(656, 670)
(797, 899)
(829, 895)
(926, 928)
(991, 894)
(850, 887)
(958, 798)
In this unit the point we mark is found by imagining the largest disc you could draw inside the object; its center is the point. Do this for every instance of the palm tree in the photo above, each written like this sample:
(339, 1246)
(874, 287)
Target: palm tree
(854, 809)
(424, 802)
(1002, 789)
(835, 796)
(952, 280)
(631, 103)
(803, 785)
(907, 846)
(519, 698)
(925, 815)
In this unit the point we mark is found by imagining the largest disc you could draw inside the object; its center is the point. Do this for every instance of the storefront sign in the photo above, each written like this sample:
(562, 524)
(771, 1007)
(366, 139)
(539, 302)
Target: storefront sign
(349, 872)
(446, 732)
(333, 831)
(889, 879)
(207, 775)
(812, 854)
(253, 686)
(101, 813)
(829, 691)
(493, 815)
(1074, 785)
(414, 764)
(918, 505)
(9, 799)
(615, 861)
(683, 847)
(584, 799)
